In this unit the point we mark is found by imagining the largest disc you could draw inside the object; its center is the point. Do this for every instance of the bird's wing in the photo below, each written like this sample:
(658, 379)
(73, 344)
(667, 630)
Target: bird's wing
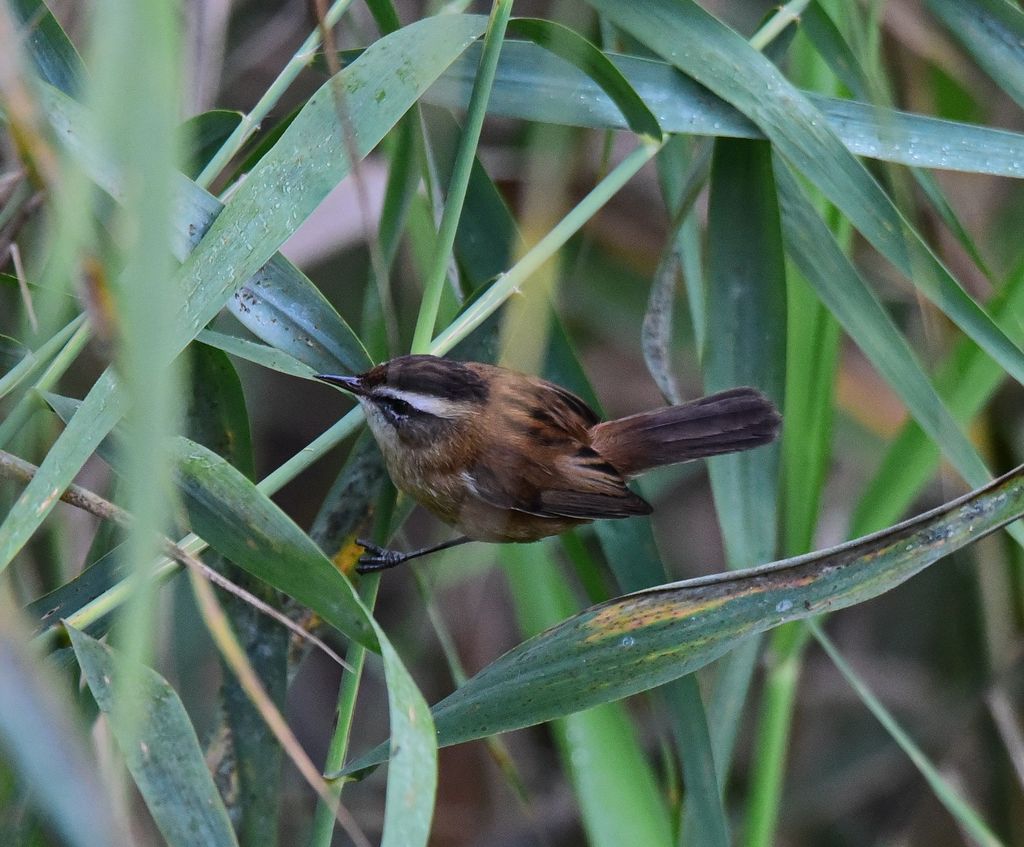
(554, 484)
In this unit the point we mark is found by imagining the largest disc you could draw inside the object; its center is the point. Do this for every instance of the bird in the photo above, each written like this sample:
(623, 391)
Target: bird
(504, 456)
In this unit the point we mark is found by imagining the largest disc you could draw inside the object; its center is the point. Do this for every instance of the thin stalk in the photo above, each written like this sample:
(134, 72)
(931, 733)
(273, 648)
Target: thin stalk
(493, 39)
(503, 288)
(944, 792)
(773, 27)
(251, 122)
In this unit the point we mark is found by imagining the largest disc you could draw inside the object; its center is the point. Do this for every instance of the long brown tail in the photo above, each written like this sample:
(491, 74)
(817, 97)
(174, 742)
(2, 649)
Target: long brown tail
(732, 420)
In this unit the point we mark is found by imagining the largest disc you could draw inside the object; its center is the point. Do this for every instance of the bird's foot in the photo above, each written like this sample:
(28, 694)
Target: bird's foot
(377, 558)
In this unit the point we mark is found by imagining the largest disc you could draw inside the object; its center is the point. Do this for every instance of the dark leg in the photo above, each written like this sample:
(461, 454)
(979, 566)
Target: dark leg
(379, 558)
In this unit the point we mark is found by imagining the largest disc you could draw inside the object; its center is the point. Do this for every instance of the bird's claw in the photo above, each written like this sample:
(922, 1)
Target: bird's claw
(377, 558)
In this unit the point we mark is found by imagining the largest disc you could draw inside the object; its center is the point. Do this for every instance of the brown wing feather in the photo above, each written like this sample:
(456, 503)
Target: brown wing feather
(544, 465)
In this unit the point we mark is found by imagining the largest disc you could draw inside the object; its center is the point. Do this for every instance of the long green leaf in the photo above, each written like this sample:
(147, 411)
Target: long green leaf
(159, 746)
(642, 640)
(245, 526)
(745, 340)
(259, 354)
(535, 86)
(745, 344)
(716, 56)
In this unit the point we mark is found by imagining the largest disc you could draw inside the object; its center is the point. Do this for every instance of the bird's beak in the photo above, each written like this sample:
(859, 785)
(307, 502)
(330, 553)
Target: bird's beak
(352, 384)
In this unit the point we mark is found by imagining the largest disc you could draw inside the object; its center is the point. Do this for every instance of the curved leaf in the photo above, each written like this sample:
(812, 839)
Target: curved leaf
(644, 639)
(159, 746)
(533, 86)
(291, 314)
(54, 55)
(993, 33)
(574, 48)
(245, 526)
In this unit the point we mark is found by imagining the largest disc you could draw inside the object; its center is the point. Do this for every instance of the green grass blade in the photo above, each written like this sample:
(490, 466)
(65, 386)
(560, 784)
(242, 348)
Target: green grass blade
(745, 344)
(344, 513)
(33, 360)
(964, 815)
(159, 746)
(412, 777)
(704, 816)
(642, 640)
(258, 354)
(992, 31)
(701, 46)
(833, 49)
(535, 86)
(43, 744)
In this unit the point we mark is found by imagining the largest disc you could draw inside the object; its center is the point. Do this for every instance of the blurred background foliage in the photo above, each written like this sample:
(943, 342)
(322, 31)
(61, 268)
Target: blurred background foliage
(688, 280)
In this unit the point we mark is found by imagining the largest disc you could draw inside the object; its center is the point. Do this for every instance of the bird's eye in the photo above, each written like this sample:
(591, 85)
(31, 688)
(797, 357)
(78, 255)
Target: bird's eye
(394, 409)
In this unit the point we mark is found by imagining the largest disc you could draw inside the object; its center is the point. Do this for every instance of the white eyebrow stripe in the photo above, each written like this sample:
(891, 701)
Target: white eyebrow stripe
(425, 403)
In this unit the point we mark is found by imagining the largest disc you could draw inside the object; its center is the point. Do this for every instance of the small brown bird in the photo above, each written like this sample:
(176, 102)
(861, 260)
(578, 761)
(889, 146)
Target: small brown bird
(503, 456)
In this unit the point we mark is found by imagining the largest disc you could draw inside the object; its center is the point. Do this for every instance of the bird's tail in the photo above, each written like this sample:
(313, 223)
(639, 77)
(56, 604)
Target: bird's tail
(732, 420)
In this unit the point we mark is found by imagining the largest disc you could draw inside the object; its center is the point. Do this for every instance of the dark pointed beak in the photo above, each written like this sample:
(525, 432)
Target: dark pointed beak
(352, 384)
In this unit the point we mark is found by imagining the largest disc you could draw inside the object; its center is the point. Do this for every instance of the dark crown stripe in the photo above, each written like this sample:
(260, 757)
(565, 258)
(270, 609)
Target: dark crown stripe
(434, 377)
